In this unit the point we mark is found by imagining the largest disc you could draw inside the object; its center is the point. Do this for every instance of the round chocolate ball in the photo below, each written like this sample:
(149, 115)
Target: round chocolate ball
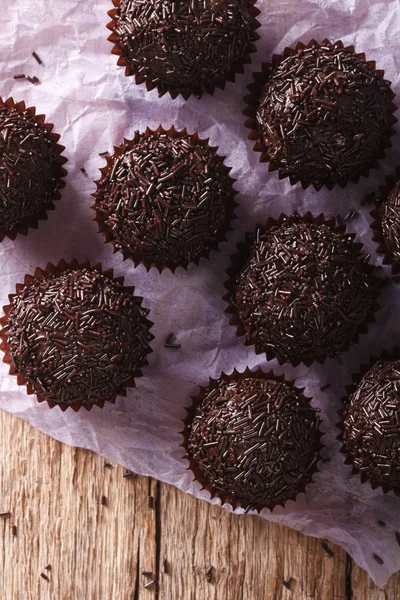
(77, 337)
(29, 167)
(184, 46)
(254, 441)
(323, 115)
(165, 199)
(371, 420)
(304, 292)
(389, 213)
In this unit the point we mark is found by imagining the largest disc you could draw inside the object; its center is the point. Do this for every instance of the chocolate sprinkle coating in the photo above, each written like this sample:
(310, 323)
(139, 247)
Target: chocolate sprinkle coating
(389, 213)
(165, 199)
(304, 292)
(371, 418)
(77, 336)
(256, 440)
(323, 115)
(183, 46)
(29, 167)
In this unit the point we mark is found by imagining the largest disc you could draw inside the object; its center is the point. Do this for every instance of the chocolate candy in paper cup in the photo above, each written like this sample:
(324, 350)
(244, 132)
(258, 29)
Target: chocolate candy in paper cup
(370, 422)
(183, 46)
(386, 224)
(165, 199)
(320, 114)
(300, 289)
(31, 168)
(252, 439)
(75, 336)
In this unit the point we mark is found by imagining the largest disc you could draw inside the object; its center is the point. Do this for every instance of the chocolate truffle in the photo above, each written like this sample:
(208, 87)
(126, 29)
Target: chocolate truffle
(371, 436)
(183, 46)
(304, 291)
(253, 441)
(30, 166)
(324, 114)
(77, 336)
(164, 200)
(389, 213)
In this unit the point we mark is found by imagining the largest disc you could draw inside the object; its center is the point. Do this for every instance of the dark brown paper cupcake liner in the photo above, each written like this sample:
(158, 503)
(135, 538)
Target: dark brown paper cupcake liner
(226, 498)
(376, 225)
(138, 257)
(350, 389)
(59, 268)
(140, 79)
(33, 222)
(239, 259)
(252, 101)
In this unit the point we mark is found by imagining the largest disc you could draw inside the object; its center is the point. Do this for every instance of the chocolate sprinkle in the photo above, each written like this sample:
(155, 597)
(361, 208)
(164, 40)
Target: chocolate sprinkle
(255, 439)
(381, 523)
(77, 336)
(165, 566)
(327, 549)
(323, 114)
(183, 46)
(371, 420)
(397, 535)
(378, 559)
(287, 584)
(14, 530)
(169, 342)
(44, 576)
(29, 167)
(129, 474)
(209, 574)
(37, 58)
(326, 387)
(164, 198)
(304, 292)
(389, 213)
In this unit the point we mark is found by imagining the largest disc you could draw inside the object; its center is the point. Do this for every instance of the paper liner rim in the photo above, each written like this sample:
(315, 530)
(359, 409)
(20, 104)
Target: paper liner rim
(394, 353)
(376, 226)
(227, 498)
(33, 222)
(250, 111)
(61, 267)
(237, 69)
(139, 258)
(238, 260)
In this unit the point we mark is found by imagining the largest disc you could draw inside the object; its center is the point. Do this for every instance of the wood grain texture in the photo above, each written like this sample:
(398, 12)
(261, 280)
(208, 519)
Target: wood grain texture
(99, 549)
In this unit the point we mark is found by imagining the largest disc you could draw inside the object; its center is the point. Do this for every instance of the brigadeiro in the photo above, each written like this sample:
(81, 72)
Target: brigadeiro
(185, 46)
(300, 289)
(370, 422)
(386, 224)
(320, 114)
(165, 199)
(75, 336)
(252, 439)
(30, 168)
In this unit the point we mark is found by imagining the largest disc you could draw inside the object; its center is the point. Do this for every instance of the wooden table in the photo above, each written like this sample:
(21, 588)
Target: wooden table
(79, 530)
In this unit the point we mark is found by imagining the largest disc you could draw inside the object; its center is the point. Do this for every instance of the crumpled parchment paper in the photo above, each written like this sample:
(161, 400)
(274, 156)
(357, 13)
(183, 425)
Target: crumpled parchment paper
(94, 106)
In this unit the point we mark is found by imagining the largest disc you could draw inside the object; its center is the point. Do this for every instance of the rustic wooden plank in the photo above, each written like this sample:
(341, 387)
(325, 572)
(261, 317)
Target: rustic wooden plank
(250, 557)
(363, 587)
(54, 494)
(99, 551)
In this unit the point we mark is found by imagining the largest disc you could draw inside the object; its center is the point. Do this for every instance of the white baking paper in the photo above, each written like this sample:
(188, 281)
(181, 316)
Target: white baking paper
(94, 106)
